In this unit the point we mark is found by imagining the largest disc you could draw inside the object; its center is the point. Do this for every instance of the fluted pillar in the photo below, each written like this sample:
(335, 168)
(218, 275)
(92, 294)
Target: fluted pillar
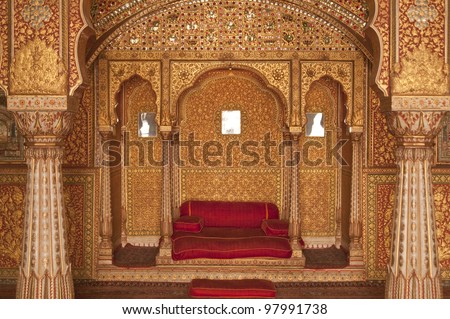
(165, 245)
(45, 270)
(105, 253)
(294, 216)
(413, 270)
(356, 254)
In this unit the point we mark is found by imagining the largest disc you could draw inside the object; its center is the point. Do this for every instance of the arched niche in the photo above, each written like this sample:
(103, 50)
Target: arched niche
(136, 183)
(234, 174)
(113, 74)
(325, 173)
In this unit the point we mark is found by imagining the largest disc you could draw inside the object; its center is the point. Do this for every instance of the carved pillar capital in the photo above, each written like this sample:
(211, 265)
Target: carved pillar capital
(415, 128)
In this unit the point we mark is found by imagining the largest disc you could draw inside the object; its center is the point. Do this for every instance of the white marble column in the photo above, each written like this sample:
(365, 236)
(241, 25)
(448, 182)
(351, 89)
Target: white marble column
(45, 270)
(413, 270)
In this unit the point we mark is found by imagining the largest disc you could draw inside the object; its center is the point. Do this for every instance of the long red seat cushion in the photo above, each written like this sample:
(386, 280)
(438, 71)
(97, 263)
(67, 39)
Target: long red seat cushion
(230, 214)
(244, 288)
(191, 247)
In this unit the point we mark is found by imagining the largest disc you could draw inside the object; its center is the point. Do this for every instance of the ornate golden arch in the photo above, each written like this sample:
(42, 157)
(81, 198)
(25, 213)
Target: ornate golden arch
(114, 73)
(341, 72)
(249, 73)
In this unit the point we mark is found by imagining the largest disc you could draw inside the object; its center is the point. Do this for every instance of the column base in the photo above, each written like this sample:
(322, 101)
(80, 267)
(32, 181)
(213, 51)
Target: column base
(165, 252)
(105, 253)
(59, 286)
(400, 287)
(356, 256)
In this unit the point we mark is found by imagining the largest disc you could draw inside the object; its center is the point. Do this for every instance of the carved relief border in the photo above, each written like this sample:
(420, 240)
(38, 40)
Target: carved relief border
(184, 73)
(274, 273)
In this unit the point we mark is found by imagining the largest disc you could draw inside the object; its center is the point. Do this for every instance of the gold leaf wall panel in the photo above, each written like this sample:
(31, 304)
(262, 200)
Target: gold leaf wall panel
(143, 204)
(317, 189)
(382, 23)
(381, 141)
(40, 20)
(410, 36)
(379, 203)
(232, 184)
(12, 206)
(261, 114)
(4, 52)
(379, 191)
(441, 189)
(81, 199)
(79, 143)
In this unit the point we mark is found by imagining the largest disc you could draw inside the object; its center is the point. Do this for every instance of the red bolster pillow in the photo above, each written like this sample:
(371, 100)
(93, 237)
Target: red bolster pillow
(275, 227)
(192, 224)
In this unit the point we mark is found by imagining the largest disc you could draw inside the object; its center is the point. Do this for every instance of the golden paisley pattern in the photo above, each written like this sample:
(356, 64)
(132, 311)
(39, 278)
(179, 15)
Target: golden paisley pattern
(12, 206)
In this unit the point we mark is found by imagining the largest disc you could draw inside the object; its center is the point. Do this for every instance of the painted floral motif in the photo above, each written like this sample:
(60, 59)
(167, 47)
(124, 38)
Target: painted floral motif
(36, 13)
(421, 13)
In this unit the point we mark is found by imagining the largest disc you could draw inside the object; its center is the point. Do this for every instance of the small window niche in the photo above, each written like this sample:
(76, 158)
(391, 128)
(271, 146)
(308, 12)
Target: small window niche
(315, 125)
(147, 124)
(231, 122)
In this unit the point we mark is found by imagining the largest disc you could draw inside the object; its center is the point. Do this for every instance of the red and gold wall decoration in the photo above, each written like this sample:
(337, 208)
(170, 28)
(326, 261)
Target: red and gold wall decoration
(4, 52)
(78, 150)
(421, 22)
(379, 203)
(81, 199)
(381, 142)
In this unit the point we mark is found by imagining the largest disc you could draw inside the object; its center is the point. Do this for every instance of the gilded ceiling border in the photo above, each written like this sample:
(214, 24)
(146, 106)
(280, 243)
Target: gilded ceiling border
(353, 38)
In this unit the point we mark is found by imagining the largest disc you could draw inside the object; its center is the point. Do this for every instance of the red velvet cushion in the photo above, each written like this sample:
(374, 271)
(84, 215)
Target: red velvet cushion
(244, 288)
(230, 214)
(275, 227)
(188, 224)
(190, 247)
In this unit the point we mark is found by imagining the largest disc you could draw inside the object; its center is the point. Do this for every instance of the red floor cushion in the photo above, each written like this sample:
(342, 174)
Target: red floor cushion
(188, 224)
(190, 247)
(244, 288)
